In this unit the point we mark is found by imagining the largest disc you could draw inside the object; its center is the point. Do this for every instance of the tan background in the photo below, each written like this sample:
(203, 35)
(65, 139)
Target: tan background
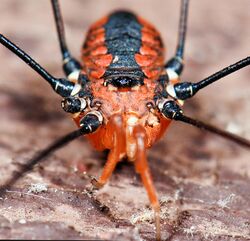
(202, 180)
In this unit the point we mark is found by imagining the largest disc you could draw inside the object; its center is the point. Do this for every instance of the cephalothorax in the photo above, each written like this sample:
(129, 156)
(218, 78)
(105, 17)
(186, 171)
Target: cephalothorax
(123, 95)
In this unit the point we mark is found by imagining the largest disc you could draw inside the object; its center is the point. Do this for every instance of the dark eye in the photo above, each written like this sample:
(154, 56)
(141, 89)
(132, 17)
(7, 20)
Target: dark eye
(124, 82)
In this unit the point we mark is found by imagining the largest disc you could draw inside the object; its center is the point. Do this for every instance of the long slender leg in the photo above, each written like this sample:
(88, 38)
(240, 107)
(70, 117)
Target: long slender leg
(186, 90)
(61, 86)
(173, 111)
(175, 65)
(71, 66)
(141, 167)
(116, 129)
(89, 125)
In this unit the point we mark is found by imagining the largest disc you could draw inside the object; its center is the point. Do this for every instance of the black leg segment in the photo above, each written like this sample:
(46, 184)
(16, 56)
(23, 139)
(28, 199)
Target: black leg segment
(202, 125)
(62, 87)
(176, 63)
(172, 110)
(186, 90)
(70, 65)
(89, 124)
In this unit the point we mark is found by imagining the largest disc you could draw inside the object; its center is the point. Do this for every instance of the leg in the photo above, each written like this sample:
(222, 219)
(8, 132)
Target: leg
(141, 167)
(62, 87)
(71, 66)
(171, 110)
(186, 90)
(116, 129)
(89, 125)
(108, 169)
(175, 65)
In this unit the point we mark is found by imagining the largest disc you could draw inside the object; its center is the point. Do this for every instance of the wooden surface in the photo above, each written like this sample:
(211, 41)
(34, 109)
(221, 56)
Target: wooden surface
(202, 180)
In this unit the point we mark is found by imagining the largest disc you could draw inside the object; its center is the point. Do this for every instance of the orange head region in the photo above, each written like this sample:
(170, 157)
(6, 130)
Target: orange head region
(134, 103)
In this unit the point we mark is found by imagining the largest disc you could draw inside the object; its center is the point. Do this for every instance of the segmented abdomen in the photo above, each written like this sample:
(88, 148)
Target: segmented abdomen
(123, 45)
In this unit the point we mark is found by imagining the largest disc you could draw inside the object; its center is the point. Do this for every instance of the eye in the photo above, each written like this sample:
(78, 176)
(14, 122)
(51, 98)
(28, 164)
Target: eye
(125, 82)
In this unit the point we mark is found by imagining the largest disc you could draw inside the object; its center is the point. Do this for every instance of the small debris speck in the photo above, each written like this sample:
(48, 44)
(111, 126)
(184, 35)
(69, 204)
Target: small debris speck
(234, 128)
(189, 231)
(38, 188)
(145, 216)
(223, 203)
(22, 221)
(116, 58)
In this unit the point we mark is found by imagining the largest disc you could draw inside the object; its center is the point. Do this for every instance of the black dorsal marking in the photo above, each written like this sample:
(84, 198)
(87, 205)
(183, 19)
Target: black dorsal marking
(123, 41)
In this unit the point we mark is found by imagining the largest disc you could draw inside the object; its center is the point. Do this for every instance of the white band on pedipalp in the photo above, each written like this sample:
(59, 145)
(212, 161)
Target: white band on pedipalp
(172, 75)
(74, 75)
(83, 104)
(170, 90)
(76, 89)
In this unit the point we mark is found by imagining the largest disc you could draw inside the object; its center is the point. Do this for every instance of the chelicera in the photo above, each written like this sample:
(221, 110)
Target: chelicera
(123, 96)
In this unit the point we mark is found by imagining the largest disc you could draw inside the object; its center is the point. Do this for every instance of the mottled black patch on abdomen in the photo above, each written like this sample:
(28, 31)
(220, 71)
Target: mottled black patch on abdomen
(123, 41)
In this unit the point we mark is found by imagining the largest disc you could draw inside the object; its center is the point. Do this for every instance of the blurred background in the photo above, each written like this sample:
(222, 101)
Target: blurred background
(218, 35)
(31, 117)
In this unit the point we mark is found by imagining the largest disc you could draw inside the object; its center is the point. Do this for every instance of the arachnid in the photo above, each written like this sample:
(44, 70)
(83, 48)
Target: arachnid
(123, 95)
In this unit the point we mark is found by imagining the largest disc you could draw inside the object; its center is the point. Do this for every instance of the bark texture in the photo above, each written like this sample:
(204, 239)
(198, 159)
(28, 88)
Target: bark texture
(202, 180)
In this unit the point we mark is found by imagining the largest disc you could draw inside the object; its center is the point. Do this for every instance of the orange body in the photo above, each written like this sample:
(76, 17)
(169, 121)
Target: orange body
(126, 101)
(123, 59)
